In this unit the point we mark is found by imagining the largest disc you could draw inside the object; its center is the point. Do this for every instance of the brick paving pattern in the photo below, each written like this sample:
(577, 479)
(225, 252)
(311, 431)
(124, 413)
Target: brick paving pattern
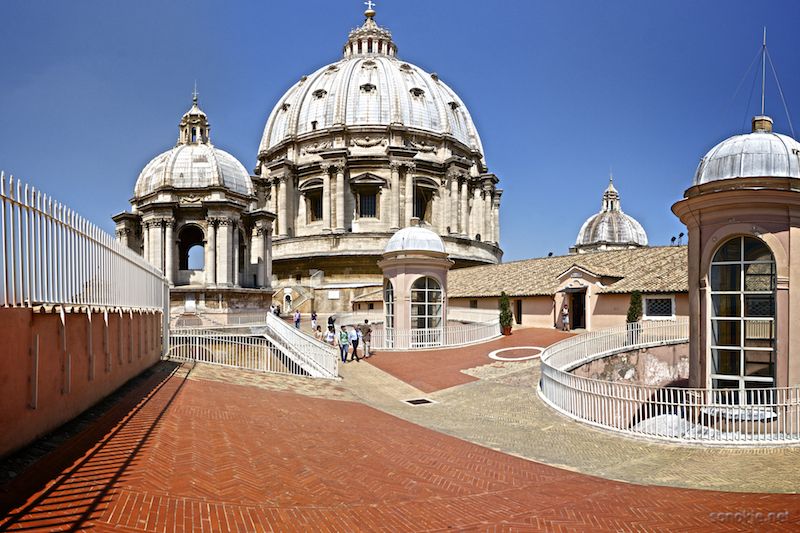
(433, 370)
(203, 455)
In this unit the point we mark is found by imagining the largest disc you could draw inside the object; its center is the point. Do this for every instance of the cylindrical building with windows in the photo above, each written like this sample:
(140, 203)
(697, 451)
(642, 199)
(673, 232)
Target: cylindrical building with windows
(743, 217)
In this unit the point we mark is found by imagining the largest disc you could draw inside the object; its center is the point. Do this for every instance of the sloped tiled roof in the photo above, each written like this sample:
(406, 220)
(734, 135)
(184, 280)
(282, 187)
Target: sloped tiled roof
(649, 270)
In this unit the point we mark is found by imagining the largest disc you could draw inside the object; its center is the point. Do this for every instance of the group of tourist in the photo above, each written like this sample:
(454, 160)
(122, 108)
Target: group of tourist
(348, 339)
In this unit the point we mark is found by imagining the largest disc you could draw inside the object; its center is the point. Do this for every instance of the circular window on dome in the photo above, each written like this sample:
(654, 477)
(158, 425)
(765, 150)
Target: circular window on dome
(285, 106)
(319, 93)
(454, 105)
(368, 88)
(369, 64)
(416, 92)
(405, 67)
(331, 69)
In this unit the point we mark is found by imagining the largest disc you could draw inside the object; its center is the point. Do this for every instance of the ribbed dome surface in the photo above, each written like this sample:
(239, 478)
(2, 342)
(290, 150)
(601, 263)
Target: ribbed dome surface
(192, 166)
(370, 87)
(415, 238)
(752, 155)
(612, 227)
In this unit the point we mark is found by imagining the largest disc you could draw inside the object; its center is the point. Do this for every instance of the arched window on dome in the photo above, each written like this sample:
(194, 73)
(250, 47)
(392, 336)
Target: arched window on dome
(194, 134)
(426, 304)
(191, 249)
(741, 325)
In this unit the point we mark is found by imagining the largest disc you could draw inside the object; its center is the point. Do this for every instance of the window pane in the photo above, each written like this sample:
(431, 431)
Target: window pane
(658, 306)
(759, 277)
(367, 205)
(725, 332)
(725, 304)
(730, 251)
(758, 363)
(759, 305)
(725, 362)
(755, 250)
(725, 278)
(758, 333)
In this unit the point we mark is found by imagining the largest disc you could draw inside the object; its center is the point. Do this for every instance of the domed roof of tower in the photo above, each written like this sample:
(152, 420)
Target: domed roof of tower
(611, 226)
(370, 86)
(194, 163)
(414, 239)
(761, 153)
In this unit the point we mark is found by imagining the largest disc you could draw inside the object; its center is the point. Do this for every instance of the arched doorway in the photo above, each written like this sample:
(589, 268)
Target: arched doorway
(741, 327)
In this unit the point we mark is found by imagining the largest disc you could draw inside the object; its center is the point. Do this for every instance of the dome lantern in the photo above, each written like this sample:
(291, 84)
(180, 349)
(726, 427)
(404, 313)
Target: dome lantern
(194, 126)
(369, 38)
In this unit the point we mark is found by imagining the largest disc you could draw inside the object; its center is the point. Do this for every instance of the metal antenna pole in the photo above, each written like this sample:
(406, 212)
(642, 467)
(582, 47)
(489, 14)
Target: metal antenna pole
(763, 67)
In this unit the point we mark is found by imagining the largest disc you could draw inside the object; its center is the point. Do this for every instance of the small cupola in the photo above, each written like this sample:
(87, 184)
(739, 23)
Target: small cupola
(610, 197)
(762, 124)
(194, 127)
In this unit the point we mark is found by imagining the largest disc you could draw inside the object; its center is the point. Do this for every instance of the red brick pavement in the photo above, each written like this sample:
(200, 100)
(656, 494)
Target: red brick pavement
(433, 370)
(208, 456)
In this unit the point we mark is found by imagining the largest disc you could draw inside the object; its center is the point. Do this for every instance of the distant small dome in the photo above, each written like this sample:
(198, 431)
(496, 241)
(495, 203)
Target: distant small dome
(194, 163)
(759, 154)
(415, 238)
(611, 228)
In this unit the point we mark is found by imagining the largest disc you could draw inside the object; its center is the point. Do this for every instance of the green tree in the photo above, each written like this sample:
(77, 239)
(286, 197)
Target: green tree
(635, 308)
(506, 318)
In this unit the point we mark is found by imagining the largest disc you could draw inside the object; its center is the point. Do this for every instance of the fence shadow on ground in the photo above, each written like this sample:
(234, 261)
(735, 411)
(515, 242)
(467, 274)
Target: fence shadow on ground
(85, 469)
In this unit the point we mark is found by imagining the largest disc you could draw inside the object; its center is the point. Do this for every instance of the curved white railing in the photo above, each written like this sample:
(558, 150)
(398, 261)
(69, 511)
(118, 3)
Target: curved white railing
(420, 338)
(713, 416)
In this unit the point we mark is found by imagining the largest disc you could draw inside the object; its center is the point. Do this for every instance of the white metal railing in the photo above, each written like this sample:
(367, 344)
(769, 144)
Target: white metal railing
(714, 416)
(323, 357)
(51, 255)
(232, 349)
(450, 335)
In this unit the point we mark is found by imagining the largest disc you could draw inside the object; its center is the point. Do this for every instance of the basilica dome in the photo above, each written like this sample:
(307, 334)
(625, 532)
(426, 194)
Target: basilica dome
(370, 86)
(610, 228)
(194, 163)
(761, 153)
(414, 239)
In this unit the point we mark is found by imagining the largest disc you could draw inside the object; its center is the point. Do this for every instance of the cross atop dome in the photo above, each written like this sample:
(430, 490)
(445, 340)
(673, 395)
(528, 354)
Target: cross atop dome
(370, 12)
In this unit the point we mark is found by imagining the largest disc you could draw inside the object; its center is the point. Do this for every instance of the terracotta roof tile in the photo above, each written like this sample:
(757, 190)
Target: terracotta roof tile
(649, 270)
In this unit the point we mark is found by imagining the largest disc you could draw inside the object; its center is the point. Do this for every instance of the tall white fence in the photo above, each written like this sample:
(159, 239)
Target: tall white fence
(52, 255)
(448, 336)
(714, 416)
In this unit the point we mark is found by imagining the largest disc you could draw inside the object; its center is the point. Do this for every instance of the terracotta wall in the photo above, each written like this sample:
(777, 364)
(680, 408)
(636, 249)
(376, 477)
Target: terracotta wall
(71, 372)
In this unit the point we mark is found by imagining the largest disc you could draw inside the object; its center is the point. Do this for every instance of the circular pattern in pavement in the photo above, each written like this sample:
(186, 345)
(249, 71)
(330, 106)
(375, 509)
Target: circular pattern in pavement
(496, 354)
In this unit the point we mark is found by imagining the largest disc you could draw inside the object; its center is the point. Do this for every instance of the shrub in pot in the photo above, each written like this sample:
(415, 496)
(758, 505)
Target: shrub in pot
(506, 317)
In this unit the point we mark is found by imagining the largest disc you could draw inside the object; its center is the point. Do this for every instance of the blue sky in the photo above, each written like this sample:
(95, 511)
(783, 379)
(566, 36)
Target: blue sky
(561, 92)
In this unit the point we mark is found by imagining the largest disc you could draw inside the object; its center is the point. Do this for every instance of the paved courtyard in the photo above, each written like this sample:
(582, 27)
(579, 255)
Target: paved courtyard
(211, 449)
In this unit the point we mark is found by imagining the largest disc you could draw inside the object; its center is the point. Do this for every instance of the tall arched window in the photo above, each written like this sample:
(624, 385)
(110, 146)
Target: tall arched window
(742, 317)
(426, 304)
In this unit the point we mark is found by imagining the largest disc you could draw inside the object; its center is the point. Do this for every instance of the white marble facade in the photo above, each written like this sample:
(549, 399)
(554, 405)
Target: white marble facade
(363, 147)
